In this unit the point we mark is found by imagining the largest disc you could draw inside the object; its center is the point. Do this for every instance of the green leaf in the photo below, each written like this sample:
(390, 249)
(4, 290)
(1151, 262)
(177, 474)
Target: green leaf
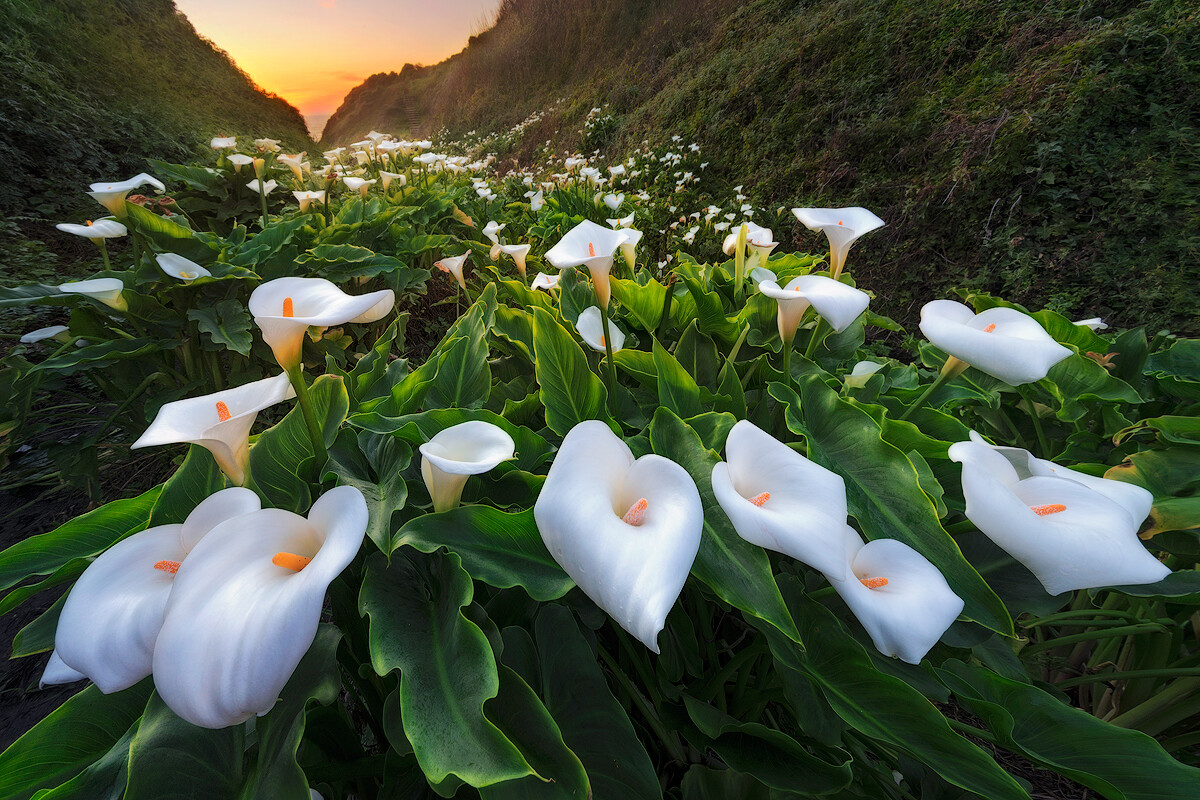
(104, 779)
(1116, 762)
(366, 380)
(279, 452)
(710, 312)
(101, 354)
(447, 670)
(265, 245)
(78, 732)
(166, 235)
(372, 463)
(1078, 378)
(463, 377)
(1177, 369)
(196, 479)
(226, 323)
(704, 783)
(502, 550)
(676, 388)
(168, 753)
(645, 303)
(38, 636)
(341, 262)
(64, 574)
(82, 537)
(739, 572)
(1169, 429)
(570, 391)
(883, 489)
(1172, 475)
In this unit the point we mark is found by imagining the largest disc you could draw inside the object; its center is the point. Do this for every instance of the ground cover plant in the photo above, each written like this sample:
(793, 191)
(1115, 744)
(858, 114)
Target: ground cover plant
(664, 512)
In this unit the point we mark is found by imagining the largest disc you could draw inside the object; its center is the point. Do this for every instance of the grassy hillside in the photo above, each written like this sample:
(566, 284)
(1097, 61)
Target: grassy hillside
(1048, 151)
(92, 88)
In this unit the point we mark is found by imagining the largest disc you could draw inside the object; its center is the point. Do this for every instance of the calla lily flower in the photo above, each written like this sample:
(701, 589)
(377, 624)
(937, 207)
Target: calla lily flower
(219, 422)
(111, 619)
(296, 164)
(57, 672)
(591, 328)
(1002, 342)
(388, 177)
(306, 199)
(246, 605)
(623, 222)
(517, 252)
(780, 500)
(537, 201)
(492, 229)
(901, 599)
(265, 145)
(1095, 323)
(454, 265)
(544, 281)
(239, 160)
(836, 302)
(265, 188)
(625, 530)
(614, 201)
(112, 195)
(286, 307)
(629, 246)
(591, 246)
(458, 452)
(223, 142)
(861, 373)
(842, 226)
(360, 185)
(100, 229)
(1072, 530)
(52, 332)
(179, 267)
(758, 239)
(105, 290)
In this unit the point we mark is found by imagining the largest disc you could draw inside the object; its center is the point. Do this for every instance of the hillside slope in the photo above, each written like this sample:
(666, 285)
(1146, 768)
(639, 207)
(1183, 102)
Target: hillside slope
(1049, 151)
(92, 89)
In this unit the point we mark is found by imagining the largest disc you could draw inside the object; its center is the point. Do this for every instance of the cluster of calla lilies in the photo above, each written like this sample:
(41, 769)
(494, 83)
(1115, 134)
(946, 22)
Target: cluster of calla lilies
(221, 608)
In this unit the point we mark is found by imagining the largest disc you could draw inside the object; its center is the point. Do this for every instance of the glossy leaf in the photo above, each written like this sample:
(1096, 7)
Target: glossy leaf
(226, 323)
(677, 390)
(168, 753)
(197, 478)
(570, 391)
(372, 464)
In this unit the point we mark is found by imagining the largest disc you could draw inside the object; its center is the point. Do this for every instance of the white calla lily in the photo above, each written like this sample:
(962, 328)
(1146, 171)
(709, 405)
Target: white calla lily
(57, 672)
(760, 240)
(614, 201)
(223, 142)
(111, 619)
(219, 422)
(537, 201)
(492, 230)
(296, 164)
(179, 267)
(544, 281)
(592, 246)
(629, 246)
(112, 195)
(285, 308)
(901, 599)
(842, 226)
(239, 160)
(591, 329)
(1095, 323)
(306, 199)
(861, 373)
(52, 332)
(104, 290)
(100, 229)
(265, 188)
(780, 500)
(246, 605)
(454, 265)
(388, 177)
(836, 302)
(625, 530)
(267, 145)
(1002, 342)
(360, 185)
(517, 252)
(458, 452)
(1072, 530)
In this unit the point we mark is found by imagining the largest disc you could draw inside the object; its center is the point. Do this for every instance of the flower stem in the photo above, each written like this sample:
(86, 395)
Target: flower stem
(786, 361)
(612, 367)
(818, 335)
(1043, 444)
(950, 370)
(739, 266)
(104, 254)
(296, 376)
(262, 197)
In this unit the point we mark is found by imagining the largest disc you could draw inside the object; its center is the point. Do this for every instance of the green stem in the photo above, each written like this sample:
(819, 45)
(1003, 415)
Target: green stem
(262, 197)
(613, 407)
(1043, 445)
(820, 330)
(669, 739)
(104, 254)
(786, 361)
(1165, 702)
(971, 730)
(1103, 633)
(950, 370)
(1129, 675)
(296, 376)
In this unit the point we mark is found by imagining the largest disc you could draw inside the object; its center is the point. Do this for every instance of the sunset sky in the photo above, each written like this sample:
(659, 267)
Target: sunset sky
(312, 52)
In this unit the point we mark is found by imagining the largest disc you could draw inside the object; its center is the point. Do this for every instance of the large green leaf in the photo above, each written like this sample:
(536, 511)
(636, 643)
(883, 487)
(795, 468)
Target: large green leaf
(74, 735)
(197, 478)
(103, 353)
(463, 376)
(226, 323)
(447, 670)
(739, 572)
(1177, 369)
(502, 550)
(278, 454)
(1078, 378)
(676, 388)
(1172, 475)
(372, 463)
(1118, 763)
(883, 489)
(104, 779)
(340, 262)
(570, 391)
(84, 536)
(644, 302)
(168, 753)
(262, 246)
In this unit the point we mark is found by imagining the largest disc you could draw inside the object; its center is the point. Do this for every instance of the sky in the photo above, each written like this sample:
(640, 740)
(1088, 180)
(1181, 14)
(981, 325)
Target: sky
(312, 52)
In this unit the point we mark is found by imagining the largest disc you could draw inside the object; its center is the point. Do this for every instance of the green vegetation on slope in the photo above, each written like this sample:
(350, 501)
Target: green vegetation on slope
(1047, 151)
(92, 89)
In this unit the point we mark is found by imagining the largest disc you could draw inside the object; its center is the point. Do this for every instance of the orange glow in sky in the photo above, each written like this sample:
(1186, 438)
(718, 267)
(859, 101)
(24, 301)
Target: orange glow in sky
(312, 52)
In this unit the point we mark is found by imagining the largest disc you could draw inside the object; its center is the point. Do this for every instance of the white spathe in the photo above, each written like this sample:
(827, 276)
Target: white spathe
(223, 142)
(112, 195)
(861, 373)
(625, 530)
(537, 201)
(104, 290)
(306, 199)
(517, 252)
(266, 188)
(236, 624)
(492, 230)
(836, 302)
(1072, 530)
(456, 453)
(591, 329)
(629, 246)
(388, 177)
(1095, 323)
(111, 619)
(239, 160)
(218, 422)
(100, 229)
(1002, 342)
(285, 308)
(360, 185)
(592, 246)
(842, 226)
(901, 599)
(179, 267)
(780, 500)
(544, 281)
(454, 265)
(51, 332)
(614, 201)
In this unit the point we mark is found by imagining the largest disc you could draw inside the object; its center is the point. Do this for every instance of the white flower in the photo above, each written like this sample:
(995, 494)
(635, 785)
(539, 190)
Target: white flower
(219, 422)
(106, 228)
(306, 199)
(1095, 323)
(842, 226)
(388, 177)
(901, 599)
(112, 195)
(223, 142)
(614, 201)
(592, 246)
(458, 452)
(1002, 342)
(239, 160)
(179, 267)
(296, 164)
(1072, 530)
(51, 332)
(537, 201)
(544, 281)
(111, 619)
(861, 373)
(286, 307)
(360, 185)
(105, 290)
(625, 530)
(266, 188)
(778, 499)
(591, 329)
(454, 265)
(517, 252)
(492, 229)
(264, 145)
(836, 302)
(246, 604)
